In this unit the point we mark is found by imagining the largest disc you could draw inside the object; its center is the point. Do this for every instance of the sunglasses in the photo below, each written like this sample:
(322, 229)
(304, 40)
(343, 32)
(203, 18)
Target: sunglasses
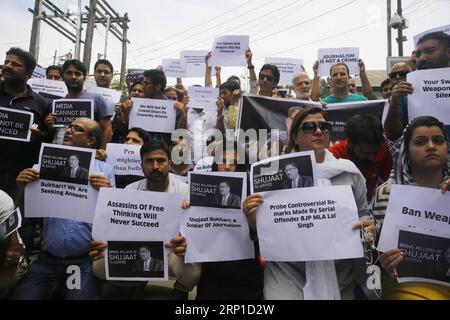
(311, 127)
(269, 78)
(401, 74)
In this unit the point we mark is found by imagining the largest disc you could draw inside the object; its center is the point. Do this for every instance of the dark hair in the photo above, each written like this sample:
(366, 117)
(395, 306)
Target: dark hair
(133, 84)
(179, 94)
(235, 79)
(291, 163)
(230, 85)
(28, 59)
(275, 71)
(292, 146)
(224, 181)
(424, 121)
(75, 155)
(364, 128)
(239, 167)
(77, 64)
(439, 36)
(385, 82)
(144, 135)
(156, 77)
(97, 133)
(106, 62)
(57, 68)
(153, 145)
(340, 64)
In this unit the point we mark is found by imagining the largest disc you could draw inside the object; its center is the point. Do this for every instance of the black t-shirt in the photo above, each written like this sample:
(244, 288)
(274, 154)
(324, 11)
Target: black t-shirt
(18, 155)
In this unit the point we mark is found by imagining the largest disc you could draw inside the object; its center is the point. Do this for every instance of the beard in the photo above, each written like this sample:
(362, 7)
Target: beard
(357, 161)
(11, 78)
(74, 85)
(156, 176)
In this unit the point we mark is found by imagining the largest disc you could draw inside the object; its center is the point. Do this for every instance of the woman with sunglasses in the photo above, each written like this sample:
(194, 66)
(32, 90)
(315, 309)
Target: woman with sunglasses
(423, 159)
(332, 280)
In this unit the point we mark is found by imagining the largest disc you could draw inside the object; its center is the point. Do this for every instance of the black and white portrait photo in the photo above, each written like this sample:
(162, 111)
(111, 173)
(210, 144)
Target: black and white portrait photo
(218, 191)
(136, 260)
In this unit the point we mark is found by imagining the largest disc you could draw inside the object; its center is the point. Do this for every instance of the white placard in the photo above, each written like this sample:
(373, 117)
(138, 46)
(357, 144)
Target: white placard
(330, 56)
(110, 96)
(173, 68)
(68, 110)
(431, 94)
(15, 124)
(203, 98)
(229, 51)
(49, 89)
(153, 115)
(194, 63)
(445, 29)
(39, 73)
(421, 208)
(217, 231)
(58, 194)
(10, 223)
(128, 215)
(288, 68)
(125, 159)
(309, 225)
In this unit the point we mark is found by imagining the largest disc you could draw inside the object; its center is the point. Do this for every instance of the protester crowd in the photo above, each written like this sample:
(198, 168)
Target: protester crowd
(378, 154)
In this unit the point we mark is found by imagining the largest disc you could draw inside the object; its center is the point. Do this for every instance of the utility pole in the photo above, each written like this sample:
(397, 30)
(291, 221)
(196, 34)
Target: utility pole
(36, 29)
(89, 34)
(108, 25)
(78, 33)
(124, 49)
(400, 29)
(389, 31)
(54, 57)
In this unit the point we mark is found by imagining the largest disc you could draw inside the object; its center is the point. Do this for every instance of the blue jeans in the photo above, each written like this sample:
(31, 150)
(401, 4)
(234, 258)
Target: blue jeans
(47, 276)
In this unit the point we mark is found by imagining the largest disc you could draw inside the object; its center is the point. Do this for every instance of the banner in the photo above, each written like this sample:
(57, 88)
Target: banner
(49, 89)
(153, 115)
(125, 159)
(63, 189)
(39, 72)
(136, 74)
(331, 56)
(417, 207)
(431, 94)
(15, 124)
(215, 227)
(68, 110)
(312, 225)
(10, 223)
(173, 68)
(110, 96)
(272, 113)
(194, 63)
(288, 68)
(229, 51)
(203, 98)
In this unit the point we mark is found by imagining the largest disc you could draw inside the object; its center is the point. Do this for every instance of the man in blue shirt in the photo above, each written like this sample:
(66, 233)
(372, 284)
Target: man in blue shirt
(65, 243)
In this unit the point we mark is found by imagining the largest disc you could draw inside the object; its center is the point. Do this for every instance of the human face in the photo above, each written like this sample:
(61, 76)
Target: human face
(137, 91)
(386, 91)
(291, 172)
(431, 54)
(14, 70)
(155, 166)
(302, 87)
(428, 148)
(144, 254)
(134, 139)
(224, 189)
(226, 95)
(339, 77)
(398, 72)
(363, 154)
(78, 134)
(103, 75)
(172, 95)
(267, 80)
(73, 161)
(74, 79)
(228, 156)
(352, 86)
(318, 140)
(150, 90)
(54, 75)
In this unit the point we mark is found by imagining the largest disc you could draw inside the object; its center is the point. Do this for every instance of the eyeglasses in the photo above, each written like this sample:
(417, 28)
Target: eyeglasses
(106, 72)
(401, 74)
(311, 127)
(262, 76)
(76, 128)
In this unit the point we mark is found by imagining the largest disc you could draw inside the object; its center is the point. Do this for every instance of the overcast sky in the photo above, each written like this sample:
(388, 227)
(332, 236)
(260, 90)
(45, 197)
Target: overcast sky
(277, 28)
